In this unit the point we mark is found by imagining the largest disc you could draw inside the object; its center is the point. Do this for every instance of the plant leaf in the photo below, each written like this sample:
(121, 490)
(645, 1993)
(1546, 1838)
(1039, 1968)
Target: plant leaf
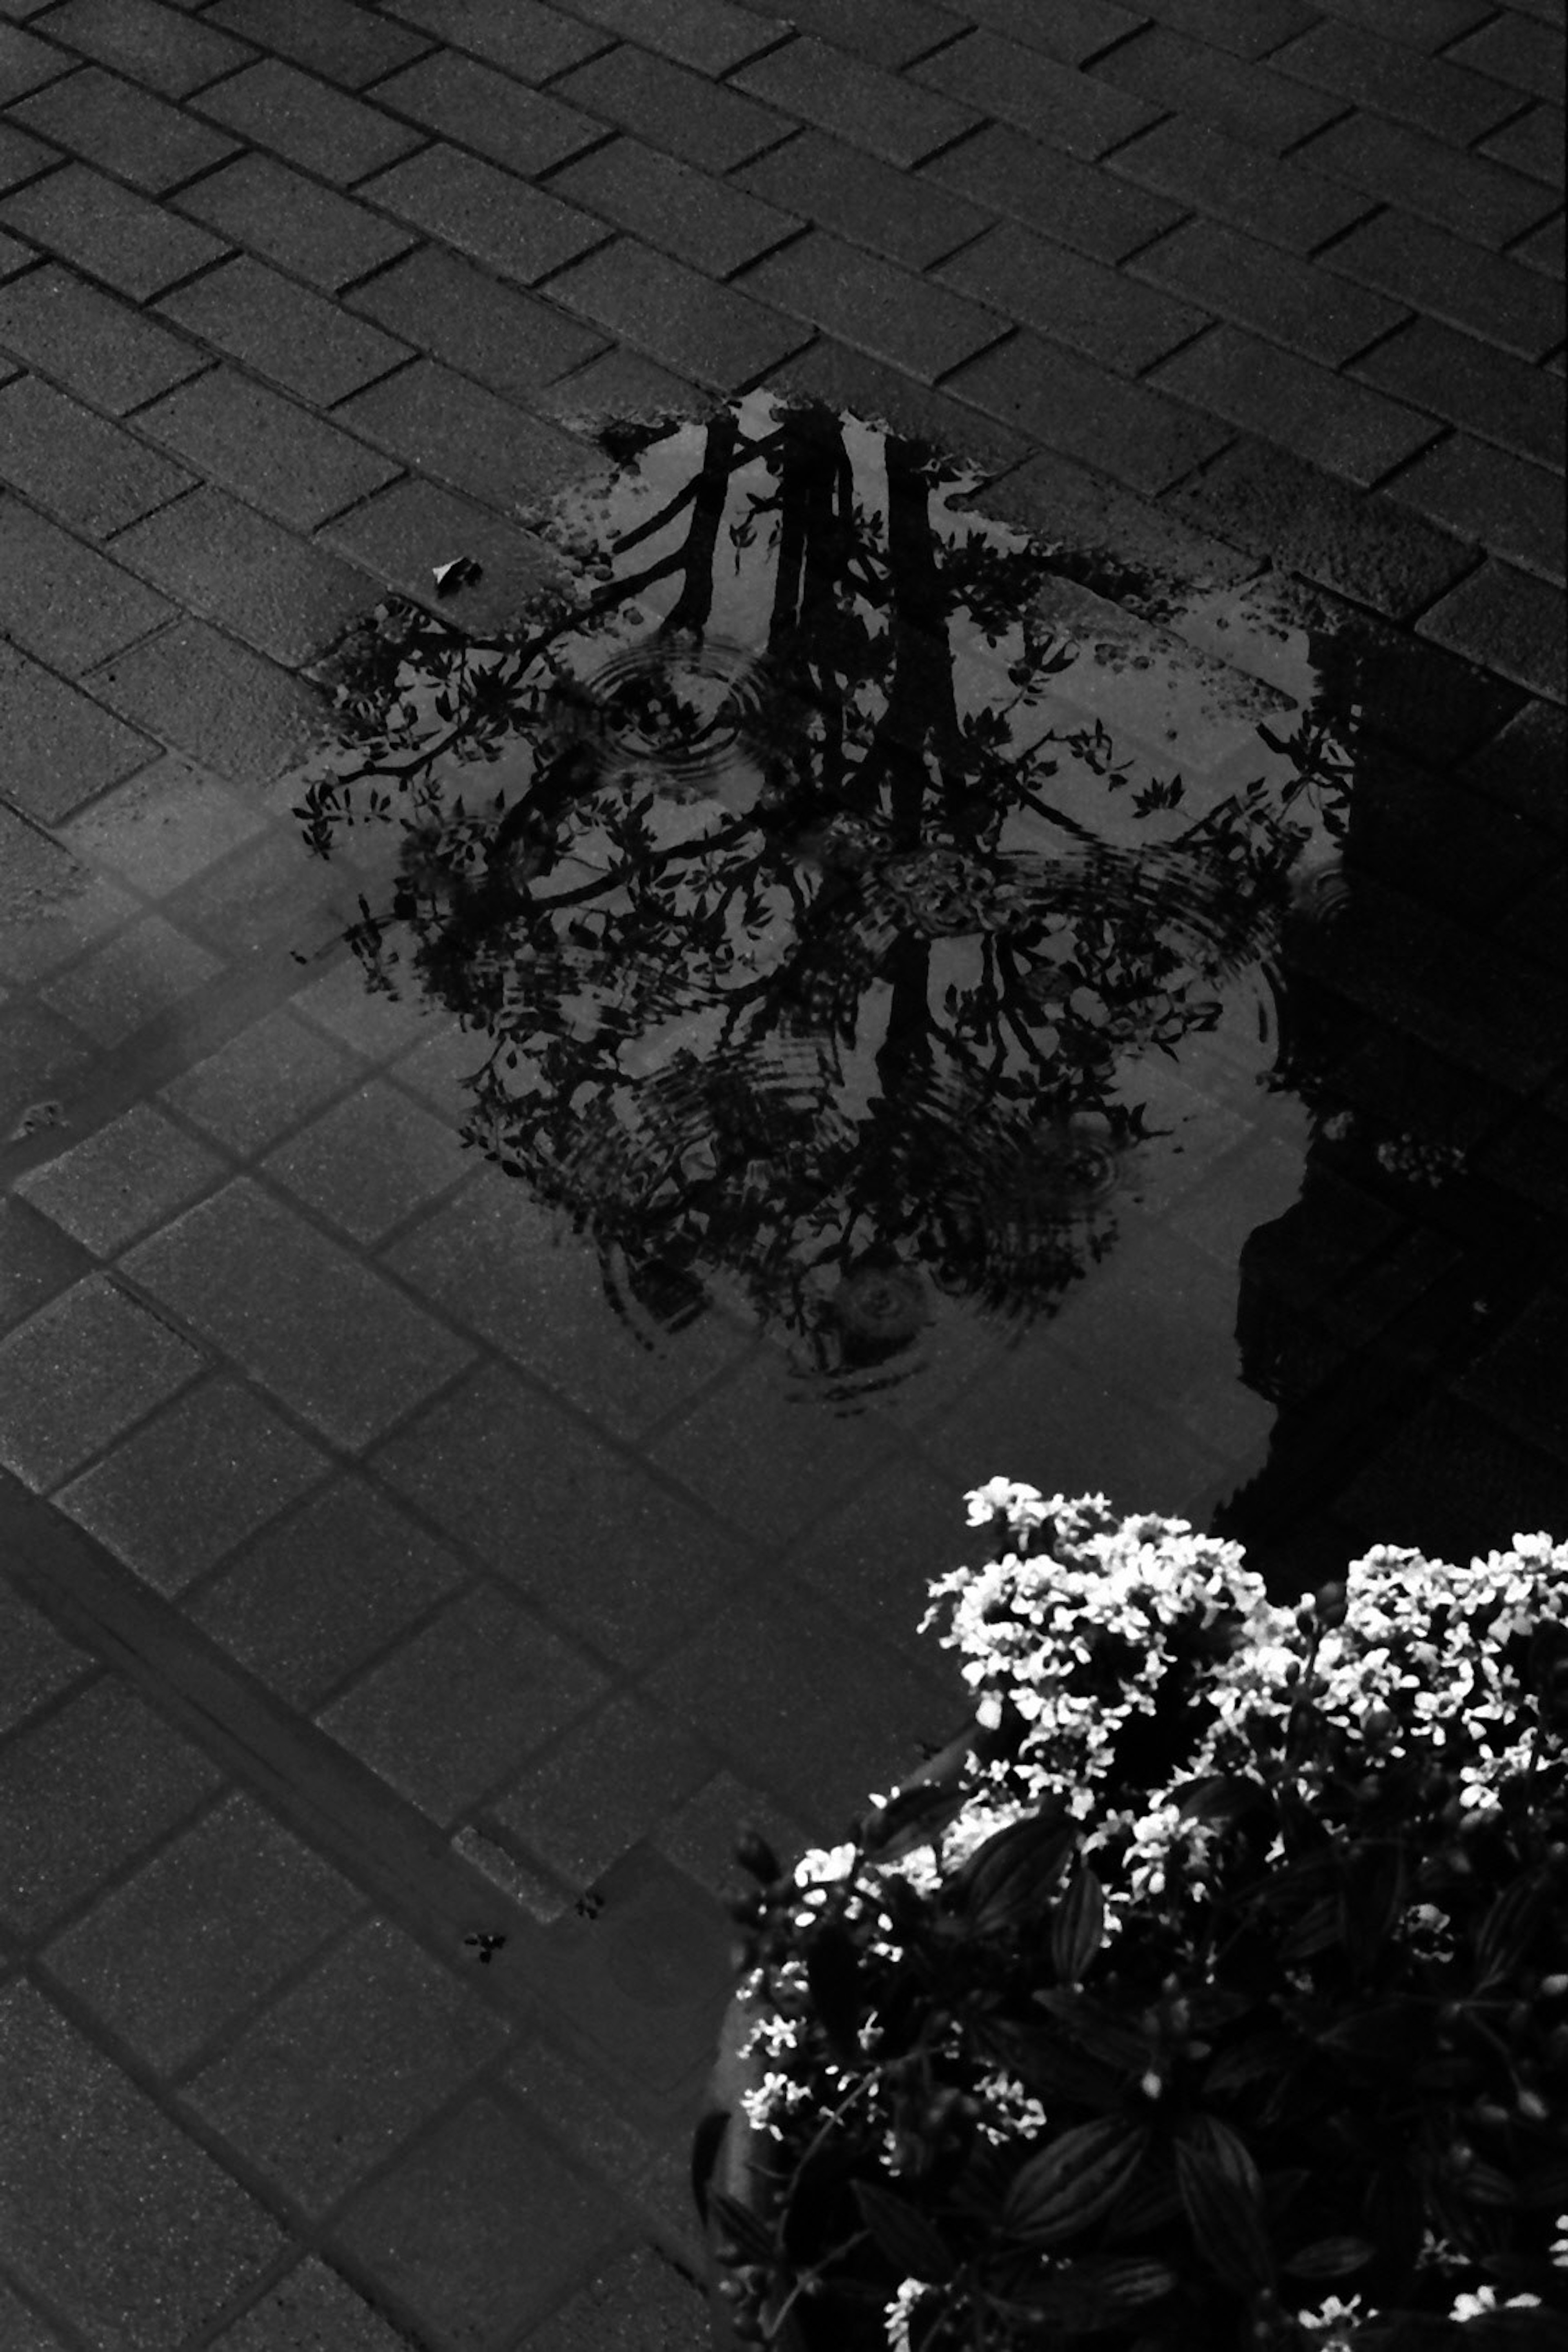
(1097, 2029)
(1329, 2258)
(1007, 1879)
(1097, 2293)
(1226, 2217)
(1074, 2180)
(1371, 1895)
(739, 2227)
(1078, 1926)
(912, 1818)
(915, 2247)
(1506, 1933)
(833, 1979)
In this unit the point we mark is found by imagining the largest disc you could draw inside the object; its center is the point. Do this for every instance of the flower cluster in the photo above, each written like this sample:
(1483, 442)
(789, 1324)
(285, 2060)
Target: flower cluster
(1225, 1964)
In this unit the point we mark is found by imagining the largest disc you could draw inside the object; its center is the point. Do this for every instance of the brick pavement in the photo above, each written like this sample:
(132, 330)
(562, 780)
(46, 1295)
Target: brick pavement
(337, 1643)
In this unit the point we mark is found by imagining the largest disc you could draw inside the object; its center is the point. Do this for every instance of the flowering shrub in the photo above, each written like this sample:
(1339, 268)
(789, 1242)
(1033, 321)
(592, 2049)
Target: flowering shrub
(1220, 1998)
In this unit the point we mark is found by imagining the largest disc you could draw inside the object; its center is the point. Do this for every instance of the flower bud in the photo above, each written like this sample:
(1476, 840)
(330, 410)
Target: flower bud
(1331, 1603)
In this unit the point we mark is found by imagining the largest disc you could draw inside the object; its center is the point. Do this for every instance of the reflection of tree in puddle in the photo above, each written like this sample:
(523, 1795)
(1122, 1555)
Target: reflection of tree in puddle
(818, 925)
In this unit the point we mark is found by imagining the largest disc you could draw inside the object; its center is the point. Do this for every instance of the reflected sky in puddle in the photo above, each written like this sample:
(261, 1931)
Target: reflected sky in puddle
(865, 933)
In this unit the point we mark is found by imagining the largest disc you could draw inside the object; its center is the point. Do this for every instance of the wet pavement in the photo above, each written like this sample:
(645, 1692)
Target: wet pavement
(965, 876)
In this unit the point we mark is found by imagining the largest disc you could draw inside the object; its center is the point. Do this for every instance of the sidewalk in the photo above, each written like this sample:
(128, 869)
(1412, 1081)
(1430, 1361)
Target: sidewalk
(377, 1702)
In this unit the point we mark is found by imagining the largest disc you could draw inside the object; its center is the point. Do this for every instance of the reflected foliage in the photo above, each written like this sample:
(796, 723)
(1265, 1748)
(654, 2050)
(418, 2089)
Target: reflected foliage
(813, 922)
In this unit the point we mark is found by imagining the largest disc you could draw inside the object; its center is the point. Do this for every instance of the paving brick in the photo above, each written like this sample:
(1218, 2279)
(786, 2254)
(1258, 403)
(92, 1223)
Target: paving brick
(134, 246)
(1501, 503)
(1264, 499)
(163, 826)
(644, 2292)
(125, 130)
(475, 106)
(1075, 30)
(520, 231)
(855, 101)
(37, 1263)
(704, 123)
(617, 386)
(318, 1595)
(227, 562)
(1543, 248)
(1123, 547)
(200, 1932)
(272, 104)
(606, 1784)
(1343, 426)
(348, 1352)
(1419, 24)
(712, 224)
(1073, 301)
(1135, 434)
(114, 2216)
(448, 426)
(258, 1085)
(291, 464)
(850, 191)
(21, 157)
(331, 37)
(709, 35)
(1072, 111)
(143, 974)
(1251, 32)
(481, 2227)
(213, 699)
(78, 1373)
(61, 747)
(1521, 768)
(307, 230)
(311, 2305)
(1283, 300)
(1449, 278)
(27, 63)
(1252, 103)
(171, 51)
(1508, 622)
(1532, 143)
(1077, 204)
(402, 533)
(1528, 56)
(904, 319)
(120, 1180)
(328, 2081)
(370, 1163)
(1454, 105)
(533, 42)
(889, 32)
(1266, 197)
(458, 1704)
(1474, 198)
(111, 355)
(308, 345)
(60, 600)
(714, 334)
(1491, 396)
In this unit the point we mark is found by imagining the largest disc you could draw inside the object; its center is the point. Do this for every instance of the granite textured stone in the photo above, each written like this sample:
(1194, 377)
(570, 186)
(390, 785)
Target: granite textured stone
(166, 825)
(115, 1183)
(458, 98)
(63, 600)
(447, 426)
(510, 340)
(311, 231)
(227, 562)
(108, 230)
(715, 334)
(820, 85)
(341, 42)
(923, 329)
(251, 313)
(168, 48)
(115, 356)
(714, 224)
(520, 232)
(320, 129)
(113, 124)
(1344, 427)
(200, 692)
(292, 465)
(89, 473)
(1078, 113)
(706, 123)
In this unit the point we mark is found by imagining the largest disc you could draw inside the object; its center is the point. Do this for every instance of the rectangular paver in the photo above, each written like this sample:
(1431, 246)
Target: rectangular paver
(108, 231)
(232, 566)
(1072, 111)
(520, 231)
(461, 100)
(115, 356)
(855, 101)
(1491, 393)
(216, 700)
(703, 122)
(403, 532)
(858, 196)
(1269, 196)
(510, 340)
(1512, 48)
(862, 300)
(1107, 317)
(1451, 102)
(1126, 430)
(21, 157)
(336, 1341)
(713, 334)
(25, 63)
(1079, 205)
(81, 1371)
(1534, 142)
(1468, 193)
(168, 48)
(122, 128)
(889, 32)
(1510, 623)
(334, 39)
(1511, 509)
(1283, 300)
(453, 429)
(61, 600)
(1449, 277)
(1336, 424)
(711, 35)
(308, 230)
(712, 224)
(273, 104)
(143, 974)
(530, 40)
(60, 746)
(309, 346)
(1254, 103)
(274, 452)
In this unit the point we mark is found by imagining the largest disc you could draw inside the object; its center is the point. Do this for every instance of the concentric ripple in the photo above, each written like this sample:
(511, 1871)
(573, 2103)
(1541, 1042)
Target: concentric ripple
(677, 705)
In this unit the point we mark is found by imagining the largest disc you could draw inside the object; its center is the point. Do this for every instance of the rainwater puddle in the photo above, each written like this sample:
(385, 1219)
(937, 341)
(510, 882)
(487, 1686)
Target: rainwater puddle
(869, 937)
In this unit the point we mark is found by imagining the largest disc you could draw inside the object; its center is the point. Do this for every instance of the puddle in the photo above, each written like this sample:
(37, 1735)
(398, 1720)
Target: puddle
(862, 930)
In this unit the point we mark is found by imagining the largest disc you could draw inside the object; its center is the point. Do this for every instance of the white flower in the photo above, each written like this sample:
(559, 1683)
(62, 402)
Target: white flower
(1484, 2299)
(1333, 2313)
(898, 2314)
